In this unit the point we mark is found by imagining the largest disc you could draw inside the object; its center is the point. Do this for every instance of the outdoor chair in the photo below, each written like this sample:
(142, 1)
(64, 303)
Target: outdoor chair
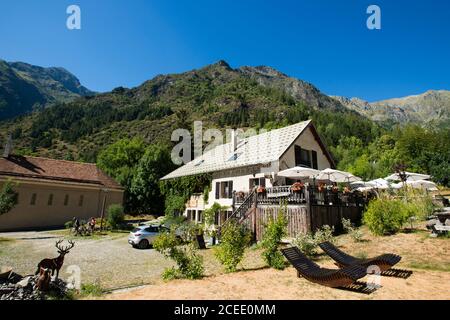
(385, 261)
(200, 242)
(327, 277)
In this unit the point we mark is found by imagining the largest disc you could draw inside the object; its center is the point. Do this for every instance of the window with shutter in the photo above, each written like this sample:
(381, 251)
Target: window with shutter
(217, 190)
(230, 189)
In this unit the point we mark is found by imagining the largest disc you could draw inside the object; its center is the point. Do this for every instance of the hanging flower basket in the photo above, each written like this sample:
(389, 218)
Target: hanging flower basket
(297, 187)
(261, 189)
(321, 188)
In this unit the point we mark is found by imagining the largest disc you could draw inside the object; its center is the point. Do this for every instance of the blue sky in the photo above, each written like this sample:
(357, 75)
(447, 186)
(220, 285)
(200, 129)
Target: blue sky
(124, 43)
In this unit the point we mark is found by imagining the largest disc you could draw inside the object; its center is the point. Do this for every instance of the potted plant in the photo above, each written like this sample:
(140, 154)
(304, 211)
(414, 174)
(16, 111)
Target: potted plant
(321, 188)
(297, 187)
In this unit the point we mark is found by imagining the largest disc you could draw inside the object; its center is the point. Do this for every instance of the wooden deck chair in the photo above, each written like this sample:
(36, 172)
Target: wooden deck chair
(327, 277)
(384, 261)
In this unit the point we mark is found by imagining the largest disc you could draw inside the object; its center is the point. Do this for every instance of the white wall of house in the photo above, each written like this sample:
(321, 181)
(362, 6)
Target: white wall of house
(306, 141)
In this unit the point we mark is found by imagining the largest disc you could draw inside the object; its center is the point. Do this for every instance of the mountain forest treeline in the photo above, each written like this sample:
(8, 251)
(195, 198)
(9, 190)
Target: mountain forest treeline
(127, 131)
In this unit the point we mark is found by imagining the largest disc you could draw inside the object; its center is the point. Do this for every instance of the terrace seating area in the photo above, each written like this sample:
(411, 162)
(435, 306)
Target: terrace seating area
(314, 195)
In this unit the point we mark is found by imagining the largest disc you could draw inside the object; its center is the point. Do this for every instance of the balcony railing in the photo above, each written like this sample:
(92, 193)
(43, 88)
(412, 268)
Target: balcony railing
(312, 195)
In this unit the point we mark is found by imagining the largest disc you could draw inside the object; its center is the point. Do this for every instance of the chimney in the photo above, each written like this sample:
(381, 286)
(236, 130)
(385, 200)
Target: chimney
(234, 139)
(8, 147)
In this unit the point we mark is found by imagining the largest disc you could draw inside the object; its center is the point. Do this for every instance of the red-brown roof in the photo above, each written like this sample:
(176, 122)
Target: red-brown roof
(59, 170)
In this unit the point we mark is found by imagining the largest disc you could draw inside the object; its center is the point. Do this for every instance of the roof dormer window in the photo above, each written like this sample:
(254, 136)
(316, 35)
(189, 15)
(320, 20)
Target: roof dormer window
(234, 157)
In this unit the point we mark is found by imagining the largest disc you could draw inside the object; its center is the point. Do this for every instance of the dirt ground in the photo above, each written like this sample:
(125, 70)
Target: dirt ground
(428, 258)
(108, 261)
(111, 263)
(283, 285)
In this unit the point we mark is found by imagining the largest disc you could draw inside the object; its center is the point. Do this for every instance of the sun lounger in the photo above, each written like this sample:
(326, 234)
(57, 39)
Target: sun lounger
(326, 277)
(384, 262)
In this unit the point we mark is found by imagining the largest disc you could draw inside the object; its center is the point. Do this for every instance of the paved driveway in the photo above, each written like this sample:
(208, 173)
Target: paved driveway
(110, 261)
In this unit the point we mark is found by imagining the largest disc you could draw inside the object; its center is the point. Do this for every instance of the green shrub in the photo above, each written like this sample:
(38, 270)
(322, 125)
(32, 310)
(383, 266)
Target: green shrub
(355, 233)
(234, 239)
(308, 242)
(325, 233)
(91, 289)
(386, 216)
(116, 217)
(68, 224)
(274, 231)
(189, 262)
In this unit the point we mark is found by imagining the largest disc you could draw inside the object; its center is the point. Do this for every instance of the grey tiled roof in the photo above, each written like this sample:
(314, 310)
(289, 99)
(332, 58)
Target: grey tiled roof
(259, 149)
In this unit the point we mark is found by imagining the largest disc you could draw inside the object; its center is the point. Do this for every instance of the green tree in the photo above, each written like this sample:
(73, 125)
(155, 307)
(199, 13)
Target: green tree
(145, 187)
(116, 216)
(274, 232)
(189, 262)
(8, 198)
(234, 239)
(120, 160)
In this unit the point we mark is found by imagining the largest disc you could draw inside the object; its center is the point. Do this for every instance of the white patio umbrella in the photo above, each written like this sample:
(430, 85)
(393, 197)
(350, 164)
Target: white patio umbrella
(423, 184)
(410, 176)
(379, 183)
(335, 176)
(298, 173)
(364, 189)
(352, 178)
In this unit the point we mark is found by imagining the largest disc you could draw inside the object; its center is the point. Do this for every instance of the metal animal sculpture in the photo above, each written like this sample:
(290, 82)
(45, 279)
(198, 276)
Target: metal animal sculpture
(56, 263)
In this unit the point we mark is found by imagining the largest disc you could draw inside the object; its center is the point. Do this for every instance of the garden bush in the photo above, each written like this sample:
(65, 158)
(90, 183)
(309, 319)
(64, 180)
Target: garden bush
(355, 233)
(274, 231)
(68, 224)
(189, 262)
(386, 216)
(325, 233)
(234, 239)
(308, 242)
(116, 216)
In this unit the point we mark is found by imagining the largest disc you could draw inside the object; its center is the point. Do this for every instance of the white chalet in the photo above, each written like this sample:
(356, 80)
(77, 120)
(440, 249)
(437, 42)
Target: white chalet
(241, 165)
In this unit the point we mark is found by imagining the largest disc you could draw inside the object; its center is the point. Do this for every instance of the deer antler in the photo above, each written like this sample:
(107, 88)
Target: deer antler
(63, 248)
(57, 245)
(70, 246)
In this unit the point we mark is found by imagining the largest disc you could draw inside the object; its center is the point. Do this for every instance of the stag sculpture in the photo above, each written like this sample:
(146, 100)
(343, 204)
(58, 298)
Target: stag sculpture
(56, 263)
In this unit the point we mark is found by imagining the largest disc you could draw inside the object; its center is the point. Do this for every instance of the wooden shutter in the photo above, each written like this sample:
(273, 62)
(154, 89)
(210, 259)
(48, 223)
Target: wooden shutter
(217, 190)
(298, 157)
(230, 189)
(314, 160)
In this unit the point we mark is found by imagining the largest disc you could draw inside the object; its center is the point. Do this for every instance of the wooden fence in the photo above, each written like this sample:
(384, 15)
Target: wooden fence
(302, 218)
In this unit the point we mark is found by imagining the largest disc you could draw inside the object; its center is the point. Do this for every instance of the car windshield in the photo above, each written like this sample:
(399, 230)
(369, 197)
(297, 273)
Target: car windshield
(135, 230)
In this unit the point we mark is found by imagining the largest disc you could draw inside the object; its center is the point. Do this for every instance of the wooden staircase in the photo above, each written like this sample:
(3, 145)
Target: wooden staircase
(242, 213)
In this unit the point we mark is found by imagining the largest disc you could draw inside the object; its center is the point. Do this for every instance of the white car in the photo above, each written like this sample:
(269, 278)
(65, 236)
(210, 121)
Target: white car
(142, 237)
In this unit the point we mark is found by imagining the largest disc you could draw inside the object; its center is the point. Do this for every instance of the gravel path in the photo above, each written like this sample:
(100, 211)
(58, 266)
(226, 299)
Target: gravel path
(110, 261)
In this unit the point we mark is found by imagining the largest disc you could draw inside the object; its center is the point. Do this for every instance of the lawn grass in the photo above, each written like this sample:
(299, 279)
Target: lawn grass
(430, 266)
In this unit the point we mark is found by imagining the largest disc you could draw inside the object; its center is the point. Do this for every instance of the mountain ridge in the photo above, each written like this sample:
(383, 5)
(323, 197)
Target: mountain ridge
(432, 106)
(25, 87)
